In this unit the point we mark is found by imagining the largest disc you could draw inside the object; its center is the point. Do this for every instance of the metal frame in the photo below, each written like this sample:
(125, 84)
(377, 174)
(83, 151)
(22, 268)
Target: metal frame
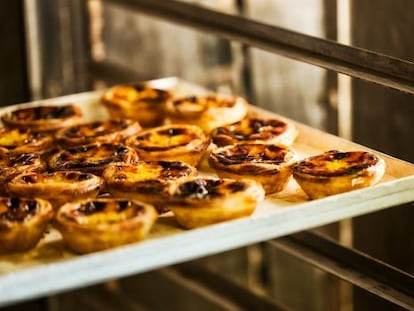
(359, 63)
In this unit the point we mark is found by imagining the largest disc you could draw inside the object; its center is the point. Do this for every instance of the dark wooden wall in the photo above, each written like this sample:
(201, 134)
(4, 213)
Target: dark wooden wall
(384, 120)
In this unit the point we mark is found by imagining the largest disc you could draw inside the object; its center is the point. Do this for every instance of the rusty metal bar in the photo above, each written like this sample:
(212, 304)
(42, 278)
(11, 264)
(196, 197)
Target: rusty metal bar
(375, 67)
(350, 265)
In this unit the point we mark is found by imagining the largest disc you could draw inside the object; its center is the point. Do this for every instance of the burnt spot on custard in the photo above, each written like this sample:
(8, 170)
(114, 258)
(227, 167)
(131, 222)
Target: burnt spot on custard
(43, 113)
(253, 129)
(351, 163)
(105, 206)
(208, 188)
(174, 169)
(18, 210)
(86, 156)
(24, 159)
(252, 153)
(96, 129)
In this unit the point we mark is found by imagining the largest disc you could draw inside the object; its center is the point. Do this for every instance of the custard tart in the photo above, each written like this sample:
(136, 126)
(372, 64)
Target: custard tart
(138, 102)
(92, 158)
(174, 142)
(108, 131)
(145, 181)
(250, 130)
(18, 141)
(336, 172)
(22, 223)
(268, 164)
(97, 224)
(47, 118)
(207, 111)
(57, 187)
(16, 165)
(199, 201)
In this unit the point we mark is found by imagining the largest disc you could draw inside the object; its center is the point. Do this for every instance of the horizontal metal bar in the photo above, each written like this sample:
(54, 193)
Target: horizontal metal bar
(222, 285)
(350, 265)
(375, 67)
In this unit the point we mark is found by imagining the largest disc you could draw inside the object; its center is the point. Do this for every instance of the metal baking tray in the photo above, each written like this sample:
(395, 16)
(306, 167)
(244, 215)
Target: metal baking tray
(50, 268)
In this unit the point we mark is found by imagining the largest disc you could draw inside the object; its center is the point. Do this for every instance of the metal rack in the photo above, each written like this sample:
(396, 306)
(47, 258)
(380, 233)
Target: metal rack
(356, 268)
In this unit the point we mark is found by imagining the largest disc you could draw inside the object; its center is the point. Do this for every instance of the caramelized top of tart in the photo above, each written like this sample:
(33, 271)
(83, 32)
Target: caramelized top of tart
(160, 171)
(166, 137)
(336, 163)
(102, 211)
(254, 129)
(251, 159)
(208, 188)
(42, 118)
(253, 153)
(17, 209)
(92, 157)
(55, 178)
(135, 94)
(114, 130)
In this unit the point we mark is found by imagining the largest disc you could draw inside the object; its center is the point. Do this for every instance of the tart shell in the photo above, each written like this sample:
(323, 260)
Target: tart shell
(137, 102)
(198, 202)
(175, 142)
(45, 118)
(57, 187)
(336, 172)
(94, 225)
(268, 164)
(22, 223)
(207, 112)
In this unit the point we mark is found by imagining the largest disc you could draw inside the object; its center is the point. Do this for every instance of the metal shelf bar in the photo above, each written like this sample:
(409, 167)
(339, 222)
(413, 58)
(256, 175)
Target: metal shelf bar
(359, 63)
(350, 265)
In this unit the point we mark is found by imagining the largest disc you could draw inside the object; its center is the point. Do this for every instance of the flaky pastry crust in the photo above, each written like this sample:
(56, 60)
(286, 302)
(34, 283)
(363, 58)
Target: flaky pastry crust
(92, 158)
(22, 223)
(57, 187)
(336, 172)
(98, 224)
(108, 131)
(268, 164)
(138, 102)
(251, 130)
(145, 181)
(207, 111)
(199, 201)
(175, 142)
(45, 118)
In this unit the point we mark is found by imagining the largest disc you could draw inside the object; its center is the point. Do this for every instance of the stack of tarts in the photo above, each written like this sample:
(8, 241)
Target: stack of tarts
(105, 183)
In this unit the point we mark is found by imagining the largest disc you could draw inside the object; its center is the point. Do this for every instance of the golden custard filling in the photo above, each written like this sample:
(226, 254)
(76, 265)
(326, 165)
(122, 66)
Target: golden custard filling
(335, 163)
(97, 212)
(93, 155)
(150, 171)
(62, 178)
(96, 129)
(139, 93)
(164, 138)
(14, 137)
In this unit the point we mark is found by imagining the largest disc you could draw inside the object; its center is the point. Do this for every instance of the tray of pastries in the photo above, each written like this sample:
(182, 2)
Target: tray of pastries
(109, 183)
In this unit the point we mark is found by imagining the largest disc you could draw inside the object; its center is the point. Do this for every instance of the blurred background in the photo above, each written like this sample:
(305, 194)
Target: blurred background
(56, 47)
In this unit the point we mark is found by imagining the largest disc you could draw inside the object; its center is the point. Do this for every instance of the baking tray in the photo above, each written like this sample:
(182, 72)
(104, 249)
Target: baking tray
(50, 268)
